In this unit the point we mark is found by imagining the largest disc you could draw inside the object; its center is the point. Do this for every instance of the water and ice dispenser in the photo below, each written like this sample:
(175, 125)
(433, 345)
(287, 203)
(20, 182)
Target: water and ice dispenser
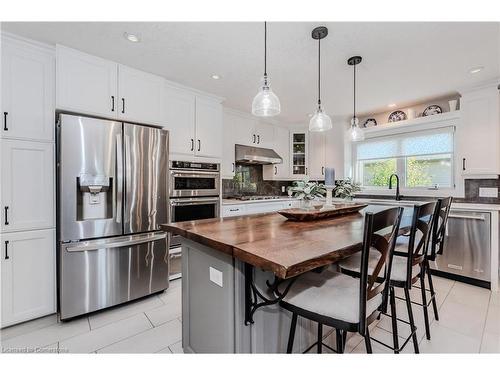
(94, 197)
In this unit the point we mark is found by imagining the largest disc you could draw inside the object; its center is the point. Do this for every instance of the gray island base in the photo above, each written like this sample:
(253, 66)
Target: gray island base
(213, 311)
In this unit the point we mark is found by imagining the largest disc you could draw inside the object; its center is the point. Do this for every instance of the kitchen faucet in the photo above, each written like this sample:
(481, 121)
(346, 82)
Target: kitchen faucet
(398, 197)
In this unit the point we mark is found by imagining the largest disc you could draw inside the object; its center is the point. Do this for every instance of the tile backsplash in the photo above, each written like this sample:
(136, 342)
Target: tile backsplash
(248, 180)
(472, 190)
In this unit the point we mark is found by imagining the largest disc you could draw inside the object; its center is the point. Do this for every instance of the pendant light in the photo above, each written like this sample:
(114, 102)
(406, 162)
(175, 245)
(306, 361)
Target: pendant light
(265, 103)
(320, 121)
(357, 134)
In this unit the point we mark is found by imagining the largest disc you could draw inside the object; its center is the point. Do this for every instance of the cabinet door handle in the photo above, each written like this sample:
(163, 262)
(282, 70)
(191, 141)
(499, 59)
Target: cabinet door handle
(258, 139)
(6, 249)
(233, 166)
(123, 105)
(322, 171)
(306, 170)
(192, 144)
(199, 145)
(112, 103)
(463, 164)
(6, 211)
(5, 121)
(275, 170)
(254, 138)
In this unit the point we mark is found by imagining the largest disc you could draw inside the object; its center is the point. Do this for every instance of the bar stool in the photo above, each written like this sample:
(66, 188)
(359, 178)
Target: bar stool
(437, 243)
(408, 266)
(343, 302)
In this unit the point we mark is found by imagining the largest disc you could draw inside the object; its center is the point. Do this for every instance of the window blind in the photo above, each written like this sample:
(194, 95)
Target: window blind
(418, 143)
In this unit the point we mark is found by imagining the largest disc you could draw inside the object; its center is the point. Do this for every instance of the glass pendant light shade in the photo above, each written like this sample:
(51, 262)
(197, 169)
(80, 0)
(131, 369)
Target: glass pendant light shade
(357, 134)
(266, 103)
(320, 121)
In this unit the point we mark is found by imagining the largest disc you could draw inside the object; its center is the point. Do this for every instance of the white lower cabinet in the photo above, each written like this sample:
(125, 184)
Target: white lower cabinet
(28, 275)
(256, 208)
(27, 185)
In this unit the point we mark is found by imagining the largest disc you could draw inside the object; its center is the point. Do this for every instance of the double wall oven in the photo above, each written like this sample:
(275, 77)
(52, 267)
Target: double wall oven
(194, 190)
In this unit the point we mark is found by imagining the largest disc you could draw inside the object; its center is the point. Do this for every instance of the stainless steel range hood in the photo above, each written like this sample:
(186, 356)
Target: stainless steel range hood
(256, 155)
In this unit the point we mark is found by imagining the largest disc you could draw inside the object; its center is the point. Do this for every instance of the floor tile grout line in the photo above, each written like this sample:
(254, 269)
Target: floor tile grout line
(149, 320)
(126, 338)
(484, 326)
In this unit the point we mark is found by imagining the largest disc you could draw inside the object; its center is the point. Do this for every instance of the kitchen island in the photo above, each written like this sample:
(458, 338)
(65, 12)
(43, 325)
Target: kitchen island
(223, 259)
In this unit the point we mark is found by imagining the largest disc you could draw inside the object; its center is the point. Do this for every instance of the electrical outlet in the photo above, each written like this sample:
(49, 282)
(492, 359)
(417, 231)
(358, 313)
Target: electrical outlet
(216, 276)
(283, 189)
(488, 192)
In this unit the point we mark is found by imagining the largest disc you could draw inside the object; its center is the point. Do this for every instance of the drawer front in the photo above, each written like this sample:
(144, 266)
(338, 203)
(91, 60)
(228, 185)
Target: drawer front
(175, 263)
(233, 210)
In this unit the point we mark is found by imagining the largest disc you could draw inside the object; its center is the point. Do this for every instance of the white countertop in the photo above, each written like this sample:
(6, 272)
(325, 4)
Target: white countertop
(226, 202)
(389, 202)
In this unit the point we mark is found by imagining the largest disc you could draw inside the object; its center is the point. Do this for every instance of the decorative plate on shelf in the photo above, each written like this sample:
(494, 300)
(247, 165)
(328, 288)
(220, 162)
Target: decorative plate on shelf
(369, 123)
(432, 110)
(397, 116)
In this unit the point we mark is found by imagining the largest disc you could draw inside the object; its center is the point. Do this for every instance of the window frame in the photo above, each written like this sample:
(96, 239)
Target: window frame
(401, 161)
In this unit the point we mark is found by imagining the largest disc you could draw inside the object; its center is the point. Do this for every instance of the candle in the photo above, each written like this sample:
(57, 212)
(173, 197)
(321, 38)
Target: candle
(330, 177)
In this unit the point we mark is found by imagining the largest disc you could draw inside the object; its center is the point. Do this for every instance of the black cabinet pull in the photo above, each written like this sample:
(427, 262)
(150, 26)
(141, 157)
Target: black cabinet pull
(258, 139)
(233, 166)
(192, 144)
(199, 145)
(322, 171)
(123, 105)
(6, 250)
(112, 103)
(275, 170)
(254, 138)
(6, 211)
(5, 121)
(463, 164)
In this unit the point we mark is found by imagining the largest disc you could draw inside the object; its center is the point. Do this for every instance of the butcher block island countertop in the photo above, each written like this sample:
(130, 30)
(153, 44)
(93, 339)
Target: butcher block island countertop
(224, 260)
(273, 243)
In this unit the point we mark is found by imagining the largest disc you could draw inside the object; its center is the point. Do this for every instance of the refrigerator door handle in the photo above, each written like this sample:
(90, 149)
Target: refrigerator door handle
(119, 178)
(107, 244)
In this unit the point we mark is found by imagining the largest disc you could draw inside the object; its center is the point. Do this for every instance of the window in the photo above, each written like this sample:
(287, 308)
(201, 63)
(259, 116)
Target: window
(422, 159)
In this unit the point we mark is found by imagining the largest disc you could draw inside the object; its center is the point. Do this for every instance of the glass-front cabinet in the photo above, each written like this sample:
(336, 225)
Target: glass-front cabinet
(299, 153)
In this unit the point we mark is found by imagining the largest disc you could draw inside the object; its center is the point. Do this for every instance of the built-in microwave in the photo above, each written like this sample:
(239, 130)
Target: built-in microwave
(188, 179)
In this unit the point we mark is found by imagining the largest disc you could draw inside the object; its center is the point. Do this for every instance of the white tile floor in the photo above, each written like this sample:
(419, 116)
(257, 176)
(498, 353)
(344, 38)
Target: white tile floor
(469, 323)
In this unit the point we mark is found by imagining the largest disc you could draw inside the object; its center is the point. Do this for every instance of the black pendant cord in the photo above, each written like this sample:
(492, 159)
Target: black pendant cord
(354, 98)
(265, 52)
(319, 73)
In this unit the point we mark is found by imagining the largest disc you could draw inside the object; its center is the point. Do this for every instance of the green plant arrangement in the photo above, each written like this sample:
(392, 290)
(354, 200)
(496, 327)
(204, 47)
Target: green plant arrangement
(345, 189)
(306, 190)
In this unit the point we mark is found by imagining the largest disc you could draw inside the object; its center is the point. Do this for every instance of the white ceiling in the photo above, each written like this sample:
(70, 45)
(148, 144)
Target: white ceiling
(402, 62)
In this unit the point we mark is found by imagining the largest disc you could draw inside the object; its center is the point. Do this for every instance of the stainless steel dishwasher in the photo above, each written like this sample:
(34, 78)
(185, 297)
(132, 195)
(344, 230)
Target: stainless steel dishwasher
(467, 247)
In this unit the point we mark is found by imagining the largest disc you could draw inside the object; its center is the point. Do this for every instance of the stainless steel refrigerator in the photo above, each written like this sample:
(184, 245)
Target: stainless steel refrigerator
(112, 196)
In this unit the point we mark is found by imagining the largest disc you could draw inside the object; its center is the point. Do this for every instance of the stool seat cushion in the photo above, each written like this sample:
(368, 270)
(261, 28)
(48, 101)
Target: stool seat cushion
(331, 295)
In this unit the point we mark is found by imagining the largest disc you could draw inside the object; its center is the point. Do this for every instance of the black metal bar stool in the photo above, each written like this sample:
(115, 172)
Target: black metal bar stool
(345, 303)
(407, 268)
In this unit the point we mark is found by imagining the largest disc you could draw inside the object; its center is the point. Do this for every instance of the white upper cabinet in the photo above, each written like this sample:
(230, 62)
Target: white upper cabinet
(180, 120)
(281, 145)
(264, 134)
(208, 128)
(28, 275)
(244, 130)
(299, 148)
(28, 91)
(86, 84)
(479, 151)
(228, 144)
(141, 96)
(27, 185)
(316, 162)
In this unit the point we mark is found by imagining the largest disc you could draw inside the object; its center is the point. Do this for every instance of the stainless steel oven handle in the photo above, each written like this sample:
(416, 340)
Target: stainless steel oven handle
(191, 202)
(106, 244)
(191, 174)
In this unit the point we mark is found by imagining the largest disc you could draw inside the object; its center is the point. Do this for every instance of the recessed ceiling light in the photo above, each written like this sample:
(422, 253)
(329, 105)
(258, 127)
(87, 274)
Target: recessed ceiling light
(134, 38)
(392, 105)
(476, 69)
(215, 76)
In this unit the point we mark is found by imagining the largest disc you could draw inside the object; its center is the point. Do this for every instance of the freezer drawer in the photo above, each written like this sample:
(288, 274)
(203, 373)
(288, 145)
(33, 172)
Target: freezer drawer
(102, 273)
(467, 247)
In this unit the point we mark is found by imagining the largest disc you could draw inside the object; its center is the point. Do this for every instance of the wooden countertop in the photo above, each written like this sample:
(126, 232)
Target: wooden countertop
(271, 242)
